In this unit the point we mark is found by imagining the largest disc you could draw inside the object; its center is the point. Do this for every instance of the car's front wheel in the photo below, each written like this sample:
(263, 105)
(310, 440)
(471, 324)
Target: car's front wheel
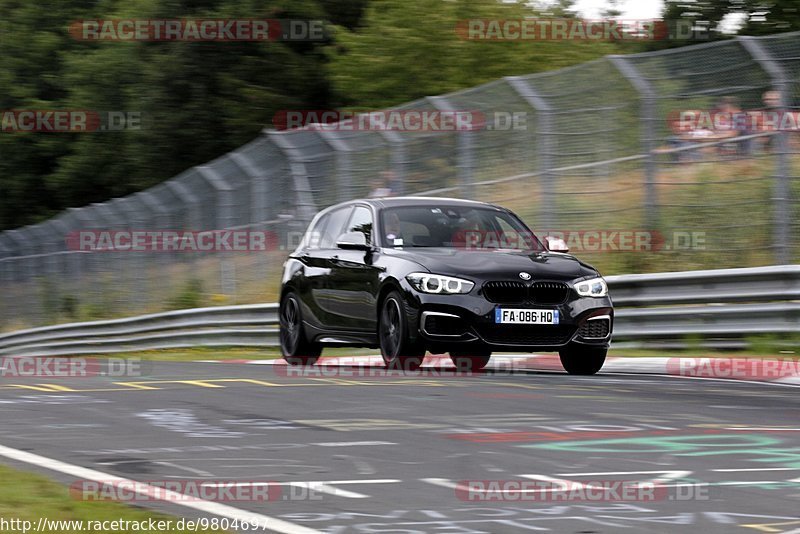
(397, 348)
(470, 359)
(582, 360)
(296, 349)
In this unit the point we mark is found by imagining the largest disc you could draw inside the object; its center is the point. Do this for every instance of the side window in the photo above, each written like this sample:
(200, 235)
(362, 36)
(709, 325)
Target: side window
(504, 226)
(361, 221)
(314, 235)
(334, 228)
(514, 237)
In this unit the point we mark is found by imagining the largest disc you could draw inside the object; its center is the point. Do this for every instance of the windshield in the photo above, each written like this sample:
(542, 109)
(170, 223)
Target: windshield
(464, 227)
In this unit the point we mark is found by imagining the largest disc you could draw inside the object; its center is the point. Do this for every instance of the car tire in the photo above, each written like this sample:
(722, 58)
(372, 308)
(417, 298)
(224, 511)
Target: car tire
(582, 360)
(470, 359)
(295, 347)
(397, 348)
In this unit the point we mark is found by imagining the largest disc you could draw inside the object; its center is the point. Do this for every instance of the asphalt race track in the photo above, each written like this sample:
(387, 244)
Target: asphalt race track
(354, 453)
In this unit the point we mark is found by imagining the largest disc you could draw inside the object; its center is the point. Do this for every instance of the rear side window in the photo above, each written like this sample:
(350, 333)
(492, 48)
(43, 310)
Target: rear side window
(334, 228)
(314, 235)
(361, 221)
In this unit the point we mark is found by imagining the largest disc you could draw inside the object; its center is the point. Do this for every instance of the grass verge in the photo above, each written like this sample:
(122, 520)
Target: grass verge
(29, 497)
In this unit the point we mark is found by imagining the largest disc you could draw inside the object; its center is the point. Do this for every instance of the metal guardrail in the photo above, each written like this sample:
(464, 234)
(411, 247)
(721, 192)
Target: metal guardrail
(756, 284)
(712, 304)
(248, 325)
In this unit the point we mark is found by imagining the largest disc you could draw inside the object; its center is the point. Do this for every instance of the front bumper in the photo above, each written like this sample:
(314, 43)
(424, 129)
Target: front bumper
(448, 320)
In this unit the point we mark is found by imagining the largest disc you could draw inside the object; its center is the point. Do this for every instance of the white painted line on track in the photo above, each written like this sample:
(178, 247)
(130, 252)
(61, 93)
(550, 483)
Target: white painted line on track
(559, 482)
(352, 443)
(726, 483)
(763, 429)
(367, 481)
(198, 472)
(725, 380)
(756, 469)
(311, 486)
(746, 483)
(444, 483)
(667, 475)
(321, 486)
(208, 507)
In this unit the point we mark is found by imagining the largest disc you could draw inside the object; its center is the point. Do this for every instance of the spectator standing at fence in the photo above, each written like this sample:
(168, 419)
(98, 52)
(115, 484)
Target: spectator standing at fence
(383, 186)
(728, 123)
(772, 106)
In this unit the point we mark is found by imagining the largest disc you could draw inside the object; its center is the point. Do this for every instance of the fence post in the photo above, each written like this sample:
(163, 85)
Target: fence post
(259, 204)
(782, 216)
(7, 279)
(223, 197)
(159, 219)
(27, 274)
(544, 147)
(258, 189)
(304, 196)
(466, 148)
(344, 163)
(648, 117)
(73, 262)
(133, 213)
(398, 159)
(49, 290)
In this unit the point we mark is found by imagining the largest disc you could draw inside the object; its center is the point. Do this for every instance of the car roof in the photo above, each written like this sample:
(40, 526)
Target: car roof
(391, 202)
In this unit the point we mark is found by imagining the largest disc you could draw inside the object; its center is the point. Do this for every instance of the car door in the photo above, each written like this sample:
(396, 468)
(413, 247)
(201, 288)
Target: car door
(316, 257)
(354, 279)
(314, 272)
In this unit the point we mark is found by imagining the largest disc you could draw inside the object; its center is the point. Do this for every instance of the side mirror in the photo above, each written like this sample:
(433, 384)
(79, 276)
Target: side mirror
(556, 244)
(353, 241)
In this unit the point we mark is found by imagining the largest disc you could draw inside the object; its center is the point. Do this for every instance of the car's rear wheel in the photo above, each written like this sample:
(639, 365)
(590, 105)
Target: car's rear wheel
(397, 348)
(296, 349)
(582, 360)
(470, 359)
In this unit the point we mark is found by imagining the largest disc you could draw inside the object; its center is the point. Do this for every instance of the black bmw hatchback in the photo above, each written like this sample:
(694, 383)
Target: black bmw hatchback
(410, 275)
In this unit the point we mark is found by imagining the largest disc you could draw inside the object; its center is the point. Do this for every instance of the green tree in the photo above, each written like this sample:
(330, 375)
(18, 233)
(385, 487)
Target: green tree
(718, 19)
(198, 100)
(33, 44)
(771, 16)
(408, 49)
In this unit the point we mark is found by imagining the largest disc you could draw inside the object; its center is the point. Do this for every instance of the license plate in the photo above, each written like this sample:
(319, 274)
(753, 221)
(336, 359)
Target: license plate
(525, 316)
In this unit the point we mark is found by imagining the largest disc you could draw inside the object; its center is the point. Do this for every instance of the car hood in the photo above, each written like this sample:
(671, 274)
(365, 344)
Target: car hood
(497, 264)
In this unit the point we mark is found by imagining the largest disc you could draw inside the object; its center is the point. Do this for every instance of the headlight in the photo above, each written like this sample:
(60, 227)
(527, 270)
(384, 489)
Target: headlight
(437, 283)
(596, 287)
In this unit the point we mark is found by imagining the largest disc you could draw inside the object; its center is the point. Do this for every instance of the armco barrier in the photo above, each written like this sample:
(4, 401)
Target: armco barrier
(714, 304)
